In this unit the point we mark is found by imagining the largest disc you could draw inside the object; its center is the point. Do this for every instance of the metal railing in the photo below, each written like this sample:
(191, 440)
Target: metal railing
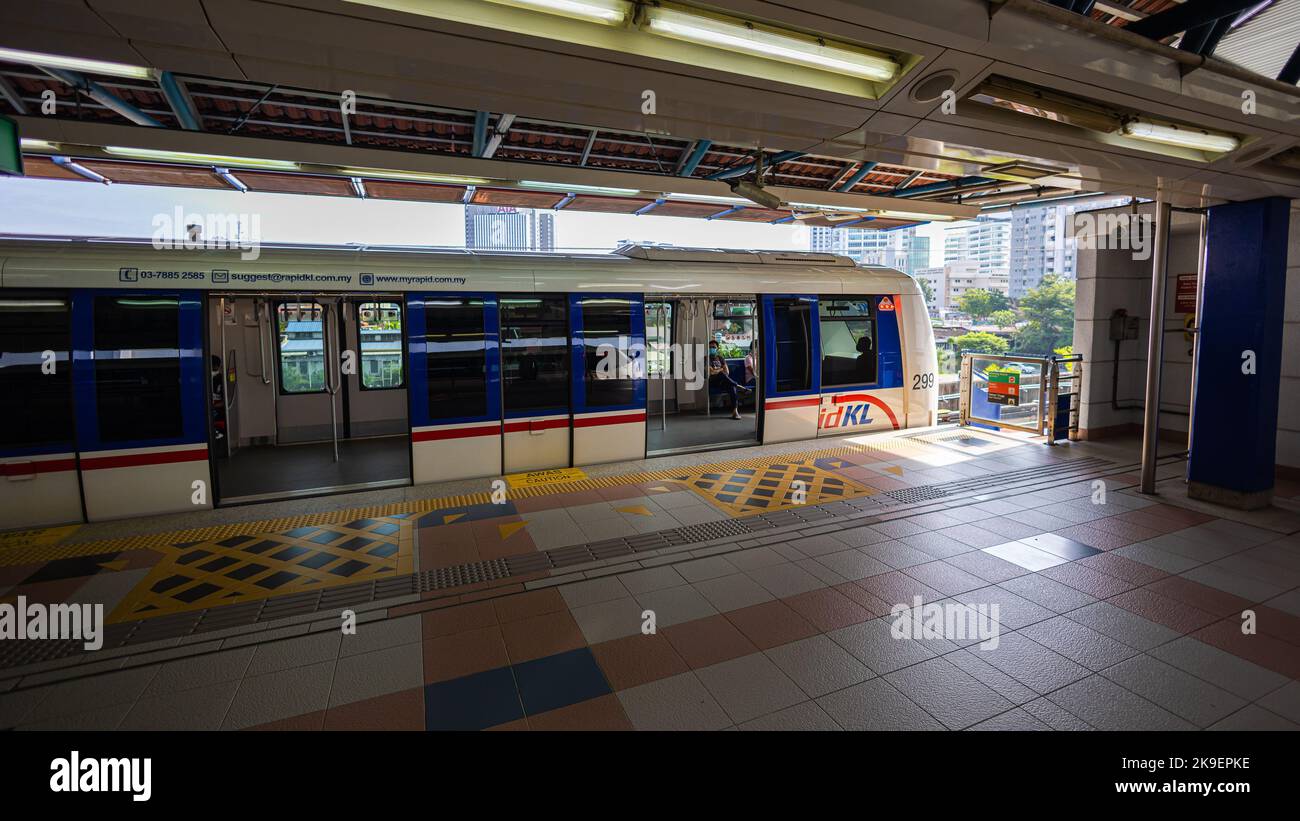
(1033, 394)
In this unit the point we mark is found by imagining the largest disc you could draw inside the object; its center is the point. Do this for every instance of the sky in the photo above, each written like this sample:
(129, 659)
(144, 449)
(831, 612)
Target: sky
(59, 207)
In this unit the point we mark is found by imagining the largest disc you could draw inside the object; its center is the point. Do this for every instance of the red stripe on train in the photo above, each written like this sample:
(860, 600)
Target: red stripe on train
(536, 424)
(785, 404)
(135, 460)
(617, 419)
(454, 433)
(28, 468)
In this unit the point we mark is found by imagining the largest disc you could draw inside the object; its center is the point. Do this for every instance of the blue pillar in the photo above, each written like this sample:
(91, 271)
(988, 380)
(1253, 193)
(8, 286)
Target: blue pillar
(1234, 415)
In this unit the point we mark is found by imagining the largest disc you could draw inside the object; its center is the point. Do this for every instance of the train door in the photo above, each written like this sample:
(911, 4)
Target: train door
(609, 382)
(455, 385)
(535, 395)
(861, 371)
(138, 385)
(696, 401)
(308, 394)
(792, 368)
(39, 481)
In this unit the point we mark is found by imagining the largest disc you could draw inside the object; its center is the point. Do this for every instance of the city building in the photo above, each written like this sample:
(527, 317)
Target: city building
(949, 282)
(505, 228)
(901, 249)
(984, 242)
(1042, 242)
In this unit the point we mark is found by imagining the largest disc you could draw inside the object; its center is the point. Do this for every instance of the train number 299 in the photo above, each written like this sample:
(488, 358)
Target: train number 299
(922, 381)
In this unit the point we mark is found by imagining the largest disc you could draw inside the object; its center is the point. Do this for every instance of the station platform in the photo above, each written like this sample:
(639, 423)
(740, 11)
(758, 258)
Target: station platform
(749, 588)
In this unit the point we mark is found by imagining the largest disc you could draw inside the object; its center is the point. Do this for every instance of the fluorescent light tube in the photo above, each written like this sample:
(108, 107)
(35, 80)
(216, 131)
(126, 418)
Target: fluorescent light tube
(571, 188)
(1181, 137)
(605, 12)
(35, 58)
(29, 144)
(414, 176)
(199, 159)
(737, 35)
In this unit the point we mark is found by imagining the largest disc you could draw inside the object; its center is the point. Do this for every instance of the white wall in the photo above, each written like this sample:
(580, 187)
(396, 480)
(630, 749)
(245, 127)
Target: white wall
(1112, 278)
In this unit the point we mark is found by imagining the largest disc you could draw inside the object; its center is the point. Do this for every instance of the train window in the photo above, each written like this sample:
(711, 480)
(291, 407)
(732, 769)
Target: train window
(35, 392)
(606, 331)
(302, 347)
(455, 357)
(137, 368)
(792, 319)
(379, 326)
(535, 353)
(848, 335)
(659, 339)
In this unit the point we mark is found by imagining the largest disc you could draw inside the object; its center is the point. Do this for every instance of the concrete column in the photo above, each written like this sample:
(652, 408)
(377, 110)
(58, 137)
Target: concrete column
(1239, 354)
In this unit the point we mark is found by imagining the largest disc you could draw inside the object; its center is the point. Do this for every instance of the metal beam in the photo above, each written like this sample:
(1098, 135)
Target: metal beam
(238, 184)
(179, 99)
(1155, 345)
(1187, 16)
(11, 94)
(480, 133)
(744, 168)
(81, 170)
(586, 149)
(726, 212)
(499, 132)
(858, 176)
(1291, 71)
(102, 96)
(908, 180)
(1204, 39)
(954, 186)
(691, 160)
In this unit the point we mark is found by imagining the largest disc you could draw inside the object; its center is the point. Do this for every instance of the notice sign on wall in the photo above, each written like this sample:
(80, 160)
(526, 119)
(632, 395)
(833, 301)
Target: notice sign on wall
(11, 153)
(1004, 388)
(1185, 294)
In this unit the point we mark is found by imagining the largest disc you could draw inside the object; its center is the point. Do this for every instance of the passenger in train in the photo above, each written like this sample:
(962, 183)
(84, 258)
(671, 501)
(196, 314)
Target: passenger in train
(720, 379)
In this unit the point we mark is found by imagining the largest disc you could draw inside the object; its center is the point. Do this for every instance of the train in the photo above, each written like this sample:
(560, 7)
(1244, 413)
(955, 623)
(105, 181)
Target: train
(137, 380)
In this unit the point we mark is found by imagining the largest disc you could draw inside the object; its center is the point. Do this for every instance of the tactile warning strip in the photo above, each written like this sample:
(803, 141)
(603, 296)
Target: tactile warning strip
(162, 540)
(13, 654)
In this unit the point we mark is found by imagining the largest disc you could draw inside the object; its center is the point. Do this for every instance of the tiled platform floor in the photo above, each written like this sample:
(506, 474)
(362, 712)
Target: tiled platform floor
(1122, 615)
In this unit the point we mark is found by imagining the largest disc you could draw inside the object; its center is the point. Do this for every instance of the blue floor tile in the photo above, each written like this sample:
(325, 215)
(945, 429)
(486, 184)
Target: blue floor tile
(473, 702)
(560, 680)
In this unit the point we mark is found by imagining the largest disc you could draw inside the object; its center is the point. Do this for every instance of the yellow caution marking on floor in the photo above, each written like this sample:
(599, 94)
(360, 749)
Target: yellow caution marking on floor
(745, 491)
(238, 569)
(536, 478)
(117, 565)
(894, 469)
(59, 548)
(640, 510)
(451, 517)
(510, 528)
(37, 537)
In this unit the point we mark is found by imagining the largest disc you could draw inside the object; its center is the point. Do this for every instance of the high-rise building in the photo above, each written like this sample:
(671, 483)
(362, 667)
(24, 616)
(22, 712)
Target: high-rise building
(502, 228)
(984, 242)
(1042, 243)
(901, 249)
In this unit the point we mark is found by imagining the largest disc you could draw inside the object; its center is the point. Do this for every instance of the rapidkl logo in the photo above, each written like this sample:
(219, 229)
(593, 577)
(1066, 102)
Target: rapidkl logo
(847, 415)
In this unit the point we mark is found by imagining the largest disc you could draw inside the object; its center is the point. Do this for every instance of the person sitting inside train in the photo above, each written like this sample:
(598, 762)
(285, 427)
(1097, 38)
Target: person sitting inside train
(720, 379)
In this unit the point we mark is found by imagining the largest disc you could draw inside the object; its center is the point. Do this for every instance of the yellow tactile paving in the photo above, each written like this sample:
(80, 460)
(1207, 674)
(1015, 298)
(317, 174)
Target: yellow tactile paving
(161, 541)
(759, 489)
(199, 575)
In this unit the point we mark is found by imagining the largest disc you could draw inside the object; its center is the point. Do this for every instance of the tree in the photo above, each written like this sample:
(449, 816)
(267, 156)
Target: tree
(1049, 311)
(980, 342)
(980, 304)
(927, 291)
(1003, 319)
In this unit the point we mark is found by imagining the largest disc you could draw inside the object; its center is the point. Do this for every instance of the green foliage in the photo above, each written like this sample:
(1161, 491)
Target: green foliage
(980, 342)
(926, 290)
(1003, 319)
(980, 304)
(1049, 311)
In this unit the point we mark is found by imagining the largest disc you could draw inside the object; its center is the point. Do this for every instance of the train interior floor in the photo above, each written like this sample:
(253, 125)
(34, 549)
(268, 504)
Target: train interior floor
(751, 588)
(267, 470)
(693, 430)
